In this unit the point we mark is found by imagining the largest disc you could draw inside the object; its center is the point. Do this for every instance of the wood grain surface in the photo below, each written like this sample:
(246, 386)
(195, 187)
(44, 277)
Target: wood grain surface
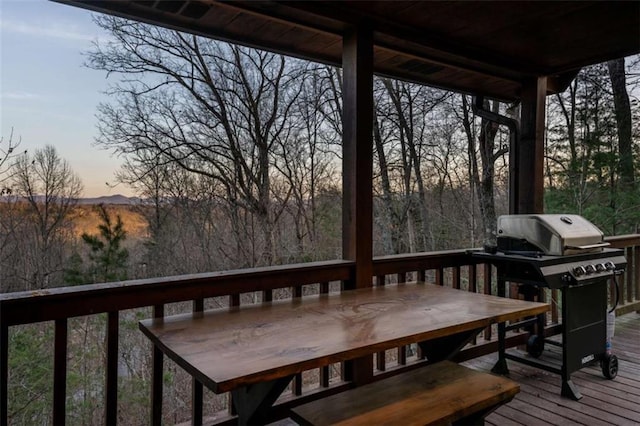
(229, 348)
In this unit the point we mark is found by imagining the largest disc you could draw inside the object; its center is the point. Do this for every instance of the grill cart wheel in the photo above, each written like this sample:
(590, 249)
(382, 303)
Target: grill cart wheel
(609, 366)
(535, 346)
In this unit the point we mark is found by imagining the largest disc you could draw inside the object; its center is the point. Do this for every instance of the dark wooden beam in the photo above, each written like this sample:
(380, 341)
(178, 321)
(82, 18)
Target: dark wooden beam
(530, 160)
(357, 166)
(357, 171)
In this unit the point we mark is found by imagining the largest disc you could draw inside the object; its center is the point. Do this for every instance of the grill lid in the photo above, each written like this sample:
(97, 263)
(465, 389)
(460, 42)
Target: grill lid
(550, 234)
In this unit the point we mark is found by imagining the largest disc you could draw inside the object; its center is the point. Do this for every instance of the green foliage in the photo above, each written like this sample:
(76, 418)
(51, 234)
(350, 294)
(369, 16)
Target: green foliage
(584, 159)
(73, 272)
(30, 374)
(85, 374)
(108, 257)
(614, 212)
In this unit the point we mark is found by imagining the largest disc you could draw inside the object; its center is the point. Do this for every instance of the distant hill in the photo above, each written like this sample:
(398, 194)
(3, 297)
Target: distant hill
(117, 199)
(106, 200)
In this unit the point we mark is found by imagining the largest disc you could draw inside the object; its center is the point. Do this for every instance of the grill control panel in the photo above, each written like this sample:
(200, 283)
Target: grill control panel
(593, 268)
(589, 270)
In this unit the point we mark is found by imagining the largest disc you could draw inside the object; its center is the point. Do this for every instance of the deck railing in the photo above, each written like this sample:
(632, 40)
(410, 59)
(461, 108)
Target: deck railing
(453, 268)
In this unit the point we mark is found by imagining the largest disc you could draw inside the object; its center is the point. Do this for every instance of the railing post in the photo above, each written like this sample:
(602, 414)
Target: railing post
(473, 286)
(629, 275)
(296, 383)
(111, 392)
(156, 378)
(60, 373)
(4, 373)
(487, 290)
(456, 277)
(473, 278)
(324, 371)
(197, 390)
(636, 269)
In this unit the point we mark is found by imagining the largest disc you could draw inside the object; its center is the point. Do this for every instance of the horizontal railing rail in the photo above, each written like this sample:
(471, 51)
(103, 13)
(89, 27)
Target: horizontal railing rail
(453, 268)
(67, 302)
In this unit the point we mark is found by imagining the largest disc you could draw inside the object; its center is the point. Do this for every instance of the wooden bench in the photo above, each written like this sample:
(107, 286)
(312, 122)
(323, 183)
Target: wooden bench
(438, 394)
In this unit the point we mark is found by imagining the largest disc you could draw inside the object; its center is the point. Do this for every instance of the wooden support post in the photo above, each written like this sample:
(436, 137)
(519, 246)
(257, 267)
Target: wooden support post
(357, 170)
(530, 158)
(357, 166)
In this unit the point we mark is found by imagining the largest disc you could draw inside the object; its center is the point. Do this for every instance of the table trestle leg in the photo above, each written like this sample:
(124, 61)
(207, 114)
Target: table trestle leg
(253, 402)
(446, 347)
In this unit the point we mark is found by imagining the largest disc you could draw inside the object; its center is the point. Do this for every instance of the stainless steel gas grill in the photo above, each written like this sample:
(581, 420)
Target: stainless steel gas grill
(568, 253)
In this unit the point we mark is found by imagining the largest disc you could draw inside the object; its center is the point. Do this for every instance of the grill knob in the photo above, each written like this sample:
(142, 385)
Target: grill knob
(610, 266)
(590, 269)
(579, 271)
(600, 267)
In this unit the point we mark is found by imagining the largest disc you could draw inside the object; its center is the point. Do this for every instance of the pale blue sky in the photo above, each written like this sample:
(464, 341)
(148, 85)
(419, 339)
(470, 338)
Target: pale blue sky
(46, 94)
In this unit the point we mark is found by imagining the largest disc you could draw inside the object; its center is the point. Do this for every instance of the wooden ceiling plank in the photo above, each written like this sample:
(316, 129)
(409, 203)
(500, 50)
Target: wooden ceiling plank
(488, 44)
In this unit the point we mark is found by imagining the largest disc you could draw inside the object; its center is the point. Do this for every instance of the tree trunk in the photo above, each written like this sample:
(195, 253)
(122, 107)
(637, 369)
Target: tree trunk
(483, 178)
(623, 120)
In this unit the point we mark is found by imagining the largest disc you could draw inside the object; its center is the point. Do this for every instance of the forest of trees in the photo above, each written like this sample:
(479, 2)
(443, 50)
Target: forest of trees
(236, 155)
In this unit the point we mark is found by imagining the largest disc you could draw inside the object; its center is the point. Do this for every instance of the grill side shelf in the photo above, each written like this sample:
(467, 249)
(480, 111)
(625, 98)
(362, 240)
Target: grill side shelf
(556, 271)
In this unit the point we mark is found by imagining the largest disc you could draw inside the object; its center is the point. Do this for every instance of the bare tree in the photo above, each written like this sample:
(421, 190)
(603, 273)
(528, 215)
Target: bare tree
(408, 110)
(483, 155)
(8, 152)
(305, 162)
(211, 108)
(50, 190)
(8, 218)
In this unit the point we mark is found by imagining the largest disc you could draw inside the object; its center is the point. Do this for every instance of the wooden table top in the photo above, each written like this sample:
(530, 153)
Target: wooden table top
(229, 348)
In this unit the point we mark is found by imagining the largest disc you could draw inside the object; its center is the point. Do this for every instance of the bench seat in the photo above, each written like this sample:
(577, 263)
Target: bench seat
(438, 394)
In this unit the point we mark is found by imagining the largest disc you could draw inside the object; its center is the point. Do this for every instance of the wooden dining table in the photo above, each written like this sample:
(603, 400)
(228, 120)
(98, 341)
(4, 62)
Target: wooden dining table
(254, 351)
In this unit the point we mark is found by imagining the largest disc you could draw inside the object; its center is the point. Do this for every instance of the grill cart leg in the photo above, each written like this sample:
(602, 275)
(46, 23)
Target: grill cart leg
(570, 390)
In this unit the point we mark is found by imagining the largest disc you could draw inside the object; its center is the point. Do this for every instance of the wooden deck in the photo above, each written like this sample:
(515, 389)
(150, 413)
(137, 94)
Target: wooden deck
(605, 402)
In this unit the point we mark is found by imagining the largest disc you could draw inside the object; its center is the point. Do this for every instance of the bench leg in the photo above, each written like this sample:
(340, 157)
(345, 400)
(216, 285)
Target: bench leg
(477, 419)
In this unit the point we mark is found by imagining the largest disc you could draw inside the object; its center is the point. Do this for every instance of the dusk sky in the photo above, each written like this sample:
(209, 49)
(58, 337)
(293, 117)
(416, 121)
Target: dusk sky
(46, 94)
